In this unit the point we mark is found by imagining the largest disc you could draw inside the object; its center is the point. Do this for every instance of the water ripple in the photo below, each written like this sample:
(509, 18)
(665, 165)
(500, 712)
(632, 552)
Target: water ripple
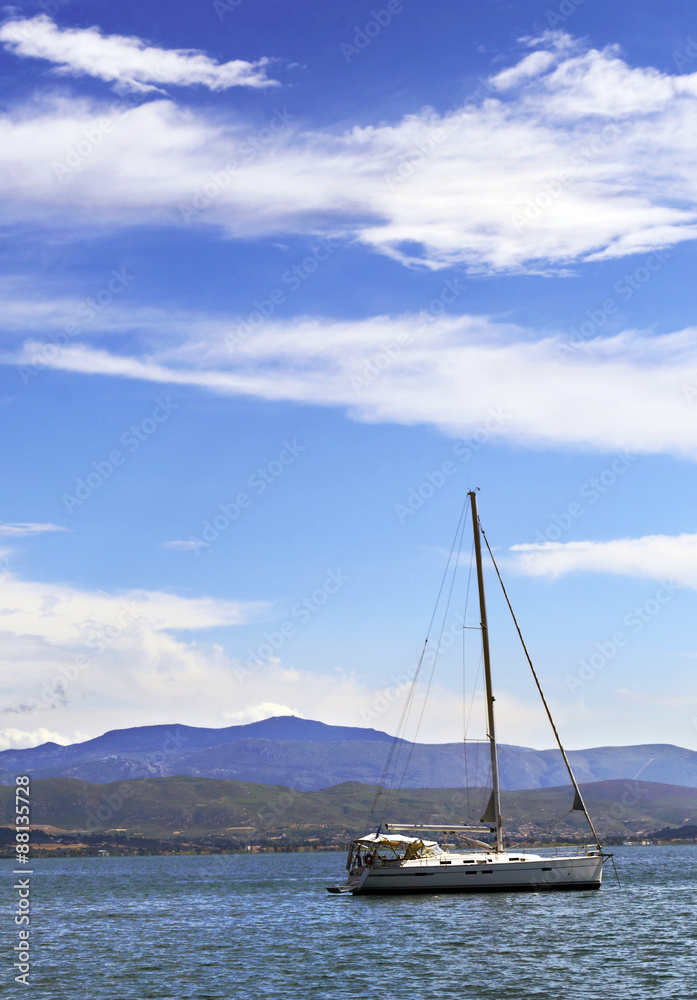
(262, 927)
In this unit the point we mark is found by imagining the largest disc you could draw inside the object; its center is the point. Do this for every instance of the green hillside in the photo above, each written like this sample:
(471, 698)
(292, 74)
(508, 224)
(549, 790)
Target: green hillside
(244, 812)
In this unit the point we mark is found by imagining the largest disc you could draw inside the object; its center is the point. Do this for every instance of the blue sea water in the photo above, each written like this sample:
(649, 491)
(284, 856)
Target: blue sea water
(261, 926)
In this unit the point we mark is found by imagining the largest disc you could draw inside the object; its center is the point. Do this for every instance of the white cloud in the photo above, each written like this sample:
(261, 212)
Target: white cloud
(62, 614)
(127, 61)
(72, 657)
(255, 713)
(342, 698)
(21, 530)
(463, 374)
(147, 677)
(17, 739)
(199, 687)
(579, 157)
(531, 66)
(655, 557)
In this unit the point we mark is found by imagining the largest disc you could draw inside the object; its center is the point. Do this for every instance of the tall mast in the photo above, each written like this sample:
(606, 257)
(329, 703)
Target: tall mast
(493, 811)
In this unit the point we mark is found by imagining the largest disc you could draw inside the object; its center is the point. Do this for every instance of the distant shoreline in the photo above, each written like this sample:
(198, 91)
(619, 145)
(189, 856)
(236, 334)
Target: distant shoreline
(113, 850)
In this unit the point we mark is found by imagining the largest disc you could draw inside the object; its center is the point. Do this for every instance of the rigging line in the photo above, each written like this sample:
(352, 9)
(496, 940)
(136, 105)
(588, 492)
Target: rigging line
(469, 718)
(544, 700)
(390, 770)
(401, 728)
(484, 788)
(614, 868)
(555, 821)
(390, 778)
(474, 690)
(488, 788)
(389, 774)
(476, 776)
(397, 739)
(442, 627)
(462, 523)
(464, 680)
(547, 829)
(405, 715)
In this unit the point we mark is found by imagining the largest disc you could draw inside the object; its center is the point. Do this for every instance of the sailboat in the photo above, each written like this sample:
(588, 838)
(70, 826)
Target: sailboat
(407, 858)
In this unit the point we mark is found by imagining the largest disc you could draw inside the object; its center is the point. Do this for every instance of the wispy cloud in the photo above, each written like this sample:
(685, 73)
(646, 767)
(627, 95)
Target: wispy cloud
(571, 155)
(21, 530)
(655, 557)
(626, 392)
(63, 614)
(126, 61)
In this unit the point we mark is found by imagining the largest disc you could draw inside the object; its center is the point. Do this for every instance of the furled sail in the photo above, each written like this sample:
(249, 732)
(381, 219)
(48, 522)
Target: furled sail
(490, 811)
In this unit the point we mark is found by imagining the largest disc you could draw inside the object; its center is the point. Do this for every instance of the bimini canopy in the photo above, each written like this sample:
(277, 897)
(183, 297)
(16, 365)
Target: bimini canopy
(394, 840)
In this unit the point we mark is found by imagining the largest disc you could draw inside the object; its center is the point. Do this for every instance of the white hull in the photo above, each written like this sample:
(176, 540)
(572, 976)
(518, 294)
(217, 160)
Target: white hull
(532, 874)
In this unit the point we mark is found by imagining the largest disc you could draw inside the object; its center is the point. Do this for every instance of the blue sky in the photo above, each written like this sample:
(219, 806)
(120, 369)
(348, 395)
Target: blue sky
(271, 272)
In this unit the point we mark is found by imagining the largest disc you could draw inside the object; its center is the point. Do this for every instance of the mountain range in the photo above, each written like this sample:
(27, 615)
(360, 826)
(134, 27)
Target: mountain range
(308, 755)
